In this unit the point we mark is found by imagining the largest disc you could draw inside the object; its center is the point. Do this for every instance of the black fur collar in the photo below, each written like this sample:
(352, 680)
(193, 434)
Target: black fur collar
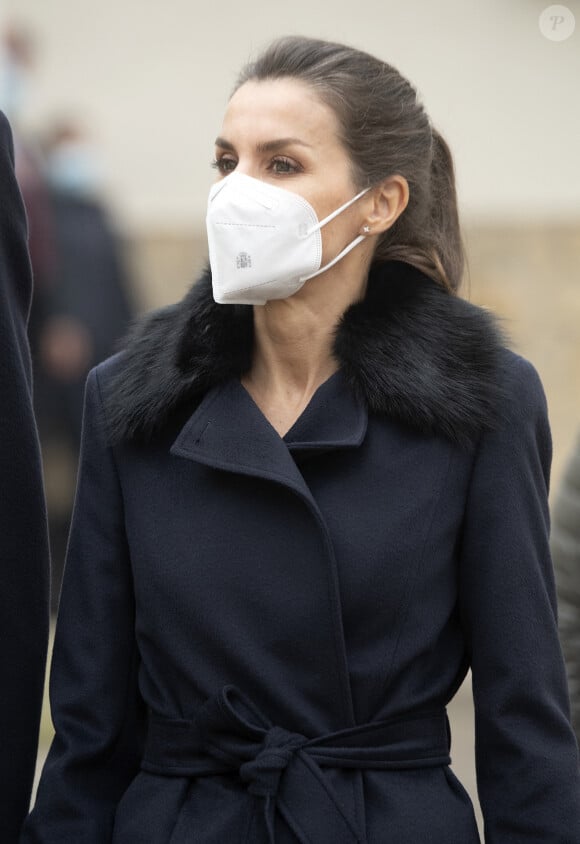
(410, 350)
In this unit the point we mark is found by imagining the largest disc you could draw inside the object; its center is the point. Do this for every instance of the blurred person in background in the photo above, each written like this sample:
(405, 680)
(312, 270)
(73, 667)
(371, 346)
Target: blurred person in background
(81, 310)
(312, 495)
(18, 59)
(82, 303)
(565, 542)
(24, 559)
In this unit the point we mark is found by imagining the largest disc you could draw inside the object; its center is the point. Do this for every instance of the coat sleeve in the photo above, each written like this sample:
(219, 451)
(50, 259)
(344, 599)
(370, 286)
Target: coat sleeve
(526, 754)
(565, 544)
(96, 707)
(24, 563)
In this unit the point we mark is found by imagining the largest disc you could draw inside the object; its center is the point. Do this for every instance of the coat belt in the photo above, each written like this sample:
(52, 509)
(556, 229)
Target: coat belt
(229, 734)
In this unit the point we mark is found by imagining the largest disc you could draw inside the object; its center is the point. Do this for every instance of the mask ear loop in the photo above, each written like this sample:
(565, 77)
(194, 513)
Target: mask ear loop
(338, 211)
(346, 249)
(334, 261)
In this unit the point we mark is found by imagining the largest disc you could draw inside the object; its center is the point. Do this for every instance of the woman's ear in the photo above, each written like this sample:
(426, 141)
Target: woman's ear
(386, 202)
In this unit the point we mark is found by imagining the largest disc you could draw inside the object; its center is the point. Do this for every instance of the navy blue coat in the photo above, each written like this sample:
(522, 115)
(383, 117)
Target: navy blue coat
(258, 635)
(23, 533)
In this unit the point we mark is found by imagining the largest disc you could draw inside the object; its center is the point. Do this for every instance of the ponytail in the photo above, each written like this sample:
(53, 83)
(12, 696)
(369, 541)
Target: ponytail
(430, 241)
(445, 230)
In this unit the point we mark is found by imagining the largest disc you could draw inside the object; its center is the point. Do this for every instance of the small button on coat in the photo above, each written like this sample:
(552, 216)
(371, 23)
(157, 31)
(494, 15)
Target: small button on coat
(258, 635)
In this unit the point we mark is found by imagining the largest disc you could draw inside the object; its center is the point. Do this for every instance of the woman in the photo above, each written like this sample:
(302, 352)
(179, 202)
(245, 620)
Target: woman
(304, 514)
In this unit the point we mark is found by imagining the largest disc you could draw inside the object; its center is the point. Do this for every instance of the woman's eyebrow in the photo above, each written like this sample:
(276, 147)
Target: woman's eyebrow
(266, 146)
(223, 144)
(274, 146)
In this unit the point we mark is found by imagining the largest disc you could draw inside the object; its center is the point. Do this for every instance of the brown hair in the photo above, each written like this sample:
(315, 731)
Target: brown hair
(385, 129)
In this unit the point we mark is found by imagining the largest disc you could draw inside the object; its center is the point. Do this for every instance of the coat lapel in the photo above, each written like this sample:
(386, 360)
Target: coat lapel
(334, 419)
(228, 431)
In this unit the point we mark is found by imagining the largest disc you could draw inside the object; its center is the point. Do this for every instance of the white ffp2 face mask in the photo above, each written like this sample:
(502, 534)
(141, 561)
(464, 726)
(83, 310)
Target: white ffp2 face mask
(264, 241)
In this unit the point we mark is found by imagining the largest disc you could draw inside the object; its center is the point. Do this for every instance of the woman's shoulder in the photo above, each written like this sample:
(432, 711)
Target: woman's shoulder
(170, 358)
(129, 380)
(521, 389)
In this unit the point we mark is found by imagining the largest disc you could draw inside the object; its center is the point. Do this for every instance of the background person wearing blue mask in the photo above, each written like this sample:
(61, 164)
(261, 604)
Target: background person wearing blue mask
(303, 515)
(24, 561)
(82, 308)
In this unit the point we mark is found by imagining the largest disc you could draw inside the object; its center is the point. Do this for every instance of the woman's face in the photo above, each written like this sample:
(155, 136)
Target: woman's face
(279, 131)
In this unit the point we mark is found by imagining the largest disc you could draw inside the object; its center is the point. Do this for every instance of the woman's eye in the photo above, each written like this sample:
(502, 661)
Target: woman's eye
(284, 165)
(224, 164)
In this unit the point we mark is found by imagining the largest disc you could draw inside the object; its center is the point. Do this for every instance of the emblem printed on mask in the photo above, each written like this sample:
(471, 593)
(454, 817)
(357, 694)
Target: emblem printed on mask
(243, 261)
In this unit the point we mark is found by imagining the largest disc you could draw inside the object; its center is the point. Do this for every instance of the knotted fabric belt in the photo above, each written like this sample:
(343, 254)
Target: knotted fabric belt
(229, 734)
